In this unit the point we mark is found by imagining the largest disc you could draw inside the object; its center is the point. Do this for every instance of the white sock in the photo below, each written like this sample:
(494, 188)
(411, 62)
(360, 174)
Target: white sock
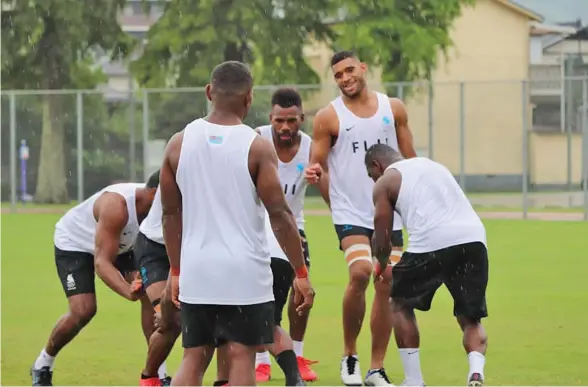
(411, 362)
(262, 358)
(477, 361)
(298, 347)
(162, 371)
(44, 360)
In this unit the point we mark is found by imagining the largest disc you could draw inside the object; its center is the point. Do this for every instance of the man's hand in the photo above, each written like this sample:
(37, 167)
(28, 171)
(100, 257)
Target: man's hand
(175, 288)
(136, 288)
(303, 295)
(313, 173)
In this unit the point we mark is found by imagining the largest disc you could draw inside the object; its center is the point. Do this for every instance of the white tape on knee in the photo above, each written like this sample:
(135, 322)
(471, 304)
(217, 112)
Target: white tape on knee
(359, 247)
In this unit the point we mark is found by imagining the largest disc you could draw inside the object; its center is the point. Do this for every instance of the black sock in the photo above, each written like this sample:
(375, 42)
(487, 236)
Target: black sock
(287, 362)
(220, 382)
(143, 376)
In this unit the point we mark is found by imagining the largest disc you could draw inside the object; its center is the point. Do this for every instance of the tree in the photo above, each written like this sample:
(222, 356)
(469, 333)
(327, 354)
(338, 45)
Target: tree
(53, 44)
(402, 36)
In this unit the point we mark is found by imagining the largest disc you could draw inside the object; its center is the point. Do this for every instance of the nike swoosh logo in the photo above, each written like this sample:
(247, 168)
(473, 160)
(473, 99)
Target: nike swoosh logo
(349, 128)
(412, 353)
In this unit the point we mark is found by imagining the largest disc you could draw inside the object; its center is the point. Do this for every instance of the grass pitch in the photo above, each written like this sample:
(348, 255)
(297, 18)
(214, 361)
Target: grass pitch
(536, 299)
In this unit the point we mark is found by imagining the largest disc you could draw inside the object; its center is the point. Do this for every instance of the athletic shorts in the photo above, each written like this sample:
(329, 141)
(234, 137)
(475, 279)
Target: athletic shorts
(462, 268)
(76, 270)
(305, 249)
(215, 325)
(345, 230)
(152, 260)
(283, 277)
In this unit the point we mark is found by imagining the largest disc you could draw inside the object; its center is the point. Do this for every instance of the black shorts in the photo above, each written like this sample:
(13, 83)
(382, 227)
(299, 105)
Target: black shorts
(152, 260)
(216, 325)
(345, 230)
(305, 249)
(76, 270)
(462, 268)
(283, 277)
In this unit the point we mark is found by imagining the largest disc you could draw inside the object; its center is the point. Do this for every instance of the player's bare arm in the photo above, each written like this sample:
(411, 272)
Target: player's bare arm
(325, 127)
(171, 202)
(384, 196)
(263, 165)
(110, 210)
(403, 132)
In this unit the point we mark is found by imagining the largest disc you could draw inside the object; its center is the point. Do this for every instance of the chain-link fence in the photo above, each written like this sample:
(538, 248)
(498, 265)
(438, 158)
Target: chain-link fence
(509, 144)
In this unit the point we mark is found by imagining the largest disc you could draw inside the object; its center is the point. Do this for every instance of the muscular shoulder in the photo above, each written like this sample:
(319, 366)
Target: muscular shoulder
(397, 106)
(326, 120)
(261, 150)
(111, 206)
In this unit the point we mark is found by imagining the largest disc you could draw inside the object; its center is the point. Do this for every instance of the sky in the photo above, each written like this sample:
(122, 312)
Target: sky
(558, 10)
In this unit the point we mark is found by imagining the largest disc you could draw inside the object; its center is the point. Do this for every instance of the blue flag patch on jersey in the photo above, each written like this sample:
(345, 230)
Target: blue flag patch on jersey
(300, 167)
(386, 120)
(215, 139)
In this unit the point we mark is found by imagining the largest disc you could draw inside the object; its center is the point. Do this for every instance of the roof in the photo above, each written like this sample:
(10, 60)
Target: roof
(517, 7)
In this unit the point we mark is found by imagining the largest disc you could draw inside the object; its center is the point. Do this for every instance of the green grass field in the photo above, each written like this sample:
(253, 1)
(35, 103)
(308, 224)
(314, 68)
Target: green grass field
(536, 299)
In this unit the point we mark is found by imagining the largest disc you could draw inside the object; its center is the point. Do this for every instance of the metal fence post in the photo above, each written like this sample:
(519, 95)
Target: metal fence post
(462, 178)
(132, 156)
(585, 145)
(431, 119)
(13, 152)
(80, 144)
(145, 133)
(400, 91)
(525, 150)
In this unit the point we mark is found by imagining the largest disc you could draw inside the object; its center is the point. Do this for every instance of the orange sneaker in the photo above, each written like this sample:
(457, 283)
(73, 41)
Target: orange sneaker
(263, 373)
(307, 374)
(150, 382)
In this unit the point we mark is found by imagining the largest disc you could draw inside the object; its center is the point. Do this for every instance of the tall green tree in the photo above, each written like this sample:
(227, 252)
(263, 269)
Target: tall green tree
(53, 44)
(402, 36)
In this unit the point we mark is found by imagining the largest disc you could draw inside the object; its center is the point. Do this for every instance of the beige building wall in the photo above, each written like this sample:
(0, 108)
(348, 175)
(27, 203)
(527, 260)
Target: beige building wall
(491, 57)
(549, 160)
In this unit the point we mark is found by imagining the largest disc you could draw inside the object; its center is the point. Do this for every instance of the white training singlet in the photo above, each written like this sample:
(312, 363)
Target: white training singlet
(350, 188)
(274, 246)
(76, 230)
(225, 258)
(292, 174)
(435, 211)
(151, 226)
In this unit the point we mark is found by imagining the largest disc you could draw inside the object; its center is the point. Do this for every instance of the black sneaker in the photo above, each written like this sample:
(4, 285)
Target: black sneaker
(166, 381)
(42, 377)
(476, 380)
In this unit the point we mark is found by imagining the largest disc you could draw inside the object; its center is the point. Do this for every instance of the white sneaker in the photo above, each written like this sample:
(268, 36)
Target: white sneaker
(350, 372)
(377, 378)
(405, 383)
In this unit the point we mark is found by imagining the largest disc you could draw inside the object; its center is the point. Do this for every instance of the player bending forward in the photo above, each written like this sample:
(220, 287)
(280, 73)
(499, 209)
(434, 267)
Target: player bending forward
(446, 245)
(293, 149)
(154, 267)
(216, 178)
(97, 235)
(342, 133)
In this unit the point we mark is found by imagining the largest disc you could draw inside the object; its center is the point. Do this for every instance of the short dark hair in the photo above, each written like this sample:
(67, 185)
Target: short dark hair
(231, 77)
(380, 152)
(153, 180)
(341, 55)
(287, 97)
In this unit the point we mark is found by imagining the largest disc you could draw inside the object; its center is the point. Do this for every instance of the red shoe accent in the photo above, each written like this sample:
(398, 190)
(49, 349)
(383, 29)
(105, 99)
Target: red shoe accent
(263, 373)
(307, 374)
(154, 381)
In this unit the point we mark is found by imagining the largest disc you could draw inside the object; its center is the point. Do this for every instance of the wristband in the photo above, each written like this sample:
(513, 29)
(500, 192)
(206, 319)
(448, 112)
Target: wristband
(175, 271)
(301, 272)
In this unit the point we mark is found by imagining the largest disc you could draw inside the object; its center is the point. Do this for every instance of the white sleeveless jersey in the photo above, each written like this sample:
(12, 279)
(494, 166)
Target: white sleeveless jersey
(76, 230)
(274, 246)
(435, 211)
(292, 175)
(151, 226)
(350, 188)
(225, 258)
